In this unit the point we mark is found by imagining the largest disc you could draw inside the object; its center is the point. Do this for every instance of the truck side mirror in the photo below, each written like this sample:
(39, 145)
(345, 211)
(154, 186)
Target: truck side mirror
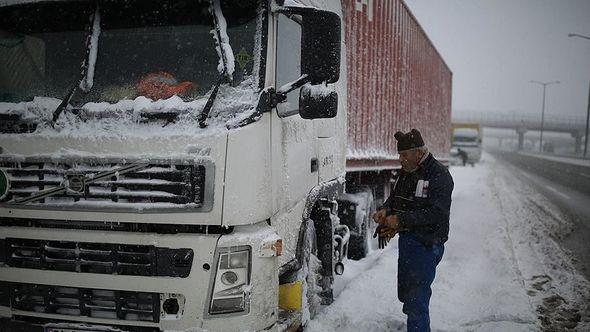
(320, 43)
(317, 102)
(320, 47)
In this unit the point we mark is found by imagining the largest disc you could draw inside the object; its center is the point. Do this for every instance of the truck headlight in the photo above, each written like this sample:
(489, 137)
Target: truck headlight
(231, 282)
(229, 278)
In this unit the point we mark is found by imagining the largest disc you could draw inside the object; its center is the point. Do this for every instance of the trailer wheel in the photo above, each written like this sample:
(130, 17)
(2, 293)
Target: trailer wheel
(358, 245)
(361, 241)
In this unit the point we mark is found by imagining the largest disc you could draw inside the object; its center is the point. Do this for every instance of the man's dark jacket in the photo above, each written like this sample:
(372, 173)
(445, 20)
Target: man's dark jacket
(422, 201)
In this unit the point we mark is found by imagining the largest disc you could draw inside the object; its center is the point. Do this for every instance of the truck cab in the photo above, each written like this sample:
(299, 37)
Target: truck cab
(162, 161)
(468, 139)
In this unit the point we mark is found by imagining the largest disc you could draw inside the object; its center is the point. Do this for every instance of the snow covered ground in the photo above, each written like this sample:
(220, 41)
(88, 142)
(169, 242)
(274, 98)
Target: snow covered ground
(502, 269)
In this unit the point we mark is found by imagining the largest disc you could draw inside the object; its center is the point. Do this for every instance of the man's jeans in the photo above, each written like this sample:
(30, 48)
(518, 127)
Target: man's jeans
(416, 270)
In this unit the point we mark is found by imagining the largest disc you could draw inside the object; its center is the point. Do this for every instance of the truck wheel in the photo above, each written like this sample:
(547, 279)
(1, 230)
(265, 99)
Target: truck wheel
(358, 245)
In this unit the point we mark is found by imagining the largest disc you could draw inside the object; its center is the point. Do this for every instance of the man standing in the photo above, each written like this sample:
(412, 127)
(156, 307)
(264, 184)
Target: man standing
(463, 156)
(418, 208)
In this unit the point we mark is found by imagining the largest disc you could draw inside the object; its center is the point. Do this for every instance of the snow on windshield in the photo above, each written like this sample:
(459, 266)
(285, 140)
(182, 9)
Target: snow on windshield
(134, 117)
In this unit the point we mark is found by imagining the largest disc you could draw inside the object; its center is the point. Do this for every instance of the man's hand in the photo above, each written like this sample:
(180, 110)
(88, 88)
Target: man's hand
(385, 234)
(379, 216)
(392, 222)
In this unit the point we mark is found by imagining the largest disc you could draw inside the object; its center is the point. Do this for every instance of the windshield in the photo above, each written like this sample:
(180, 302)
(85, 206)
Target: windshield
(154, 49)
(465, 135)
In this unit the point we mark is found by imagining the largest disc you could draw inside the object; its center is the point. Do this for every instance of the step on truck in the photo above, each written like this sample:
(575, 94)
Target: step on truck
(199, 165)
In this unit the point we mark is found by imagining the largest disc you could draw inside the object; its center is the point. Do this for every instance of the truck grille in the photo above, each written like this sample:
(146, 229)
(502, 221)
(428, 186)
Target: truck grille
(152, 186)
(103, 258)
(95, 303)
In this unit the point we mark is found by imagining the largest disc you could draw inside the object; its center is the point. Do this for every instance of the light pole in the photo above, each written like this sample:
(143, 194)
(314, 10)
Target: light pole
(544, 84)
(588, 111)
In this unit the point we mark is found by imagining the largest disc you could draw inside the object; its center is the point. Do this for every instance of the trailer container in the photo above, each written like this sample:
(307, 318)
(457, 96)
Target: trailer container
(396, 81)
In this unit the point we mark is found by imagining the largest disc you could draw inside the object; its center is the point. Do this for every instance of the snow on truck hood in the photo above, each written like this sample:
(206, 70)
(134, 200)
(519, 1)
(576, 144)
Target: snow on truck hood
(114, 134)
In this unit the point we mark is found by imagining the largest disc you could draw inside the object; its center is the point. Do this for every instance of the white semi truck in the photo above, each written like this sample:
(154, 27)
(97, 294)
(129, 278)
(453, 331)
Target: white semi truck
(175, 165)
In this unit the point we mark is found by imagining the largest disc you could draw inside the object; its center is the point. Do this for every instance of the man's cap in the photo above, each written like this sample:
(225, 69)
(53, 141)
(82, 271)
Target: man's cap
(410, 140)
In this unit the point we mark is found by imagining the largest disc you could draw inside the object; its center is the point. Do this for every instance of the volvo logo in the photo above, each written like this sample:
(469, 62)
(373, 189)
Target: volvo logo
(4, 184)
(76, 183)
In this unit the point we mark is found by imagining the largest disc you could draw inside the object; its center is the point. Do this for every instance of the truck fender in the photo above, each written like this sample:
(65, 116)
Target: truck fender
(325, 191)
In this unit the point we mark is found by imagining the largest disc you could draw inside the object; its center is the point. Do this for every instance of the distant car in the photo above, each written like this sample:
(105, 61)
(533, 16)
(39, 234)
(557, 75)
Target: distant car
(548, 147)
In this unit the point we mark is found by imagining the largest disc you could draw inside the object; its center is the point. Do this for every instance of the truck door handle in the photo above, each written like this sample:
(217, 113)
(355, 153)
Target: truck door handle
(314, 165)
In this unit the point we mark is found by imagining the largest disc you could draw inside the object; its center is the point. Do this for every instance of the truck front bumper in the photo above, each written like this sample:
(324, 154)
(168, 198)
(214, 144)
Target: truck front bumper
(16, 325)
(35, 289)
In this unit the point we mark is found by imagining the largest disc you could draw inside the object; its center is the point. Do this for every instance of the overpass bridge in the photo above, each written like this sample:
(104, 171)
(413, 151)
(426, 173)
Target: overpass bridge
(523, 122)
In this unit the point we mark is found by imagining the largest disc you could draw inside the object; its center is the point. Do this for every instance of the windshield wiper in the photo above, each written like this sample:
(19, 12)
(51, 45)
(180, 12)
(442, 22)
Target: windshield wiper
(85, 81)
(223, 46)
(209, 105)
(221, 38)
(62, 106)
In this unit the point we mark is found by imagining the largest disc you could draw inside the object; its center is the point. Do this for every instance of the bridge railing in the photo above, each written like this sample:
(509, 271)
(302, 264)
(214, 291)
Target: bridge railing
(517, 119)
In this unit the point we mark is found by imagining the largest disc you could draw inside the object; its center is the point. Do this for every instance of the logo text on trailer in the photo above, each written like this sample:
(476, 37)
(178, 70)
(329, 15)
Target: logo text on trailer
(359, 7)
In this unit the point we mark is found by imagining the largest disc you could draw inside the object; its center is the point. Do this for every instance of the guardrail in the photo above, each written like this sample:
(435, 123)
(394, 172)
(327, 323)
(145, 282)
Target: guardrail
(514, 120)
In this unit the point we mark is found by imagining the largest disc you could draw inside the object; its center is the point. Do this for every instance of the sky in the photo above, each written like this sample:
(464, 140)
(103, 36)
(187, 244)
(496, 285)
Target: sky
(496, 47)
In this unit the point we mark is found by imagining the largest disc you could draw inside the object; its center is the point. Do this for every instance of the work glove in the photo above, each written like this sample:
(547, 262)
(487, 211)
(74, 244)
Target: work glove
(379, 216)
(385, 234)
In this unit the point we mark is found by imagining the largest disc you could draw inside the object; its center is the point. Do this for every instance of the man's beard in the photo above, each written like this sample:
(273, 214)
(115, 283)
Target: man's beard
(408, 168)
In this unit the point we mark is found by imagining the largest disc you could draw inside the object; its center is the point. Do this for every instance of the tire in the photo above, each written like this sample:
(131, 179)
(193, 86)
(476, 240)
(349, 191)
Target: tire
(358, 245)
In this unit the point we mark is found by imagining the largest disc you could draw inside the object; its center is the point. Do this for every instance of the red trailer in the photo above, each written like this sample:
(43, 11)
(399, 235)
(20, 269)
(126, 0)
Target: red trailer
(397, 81)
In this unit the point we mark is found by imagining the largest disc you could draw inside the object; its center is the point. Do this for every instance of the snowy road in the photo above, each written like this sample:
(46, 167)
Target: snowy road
(502, 270)
(566, 183)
